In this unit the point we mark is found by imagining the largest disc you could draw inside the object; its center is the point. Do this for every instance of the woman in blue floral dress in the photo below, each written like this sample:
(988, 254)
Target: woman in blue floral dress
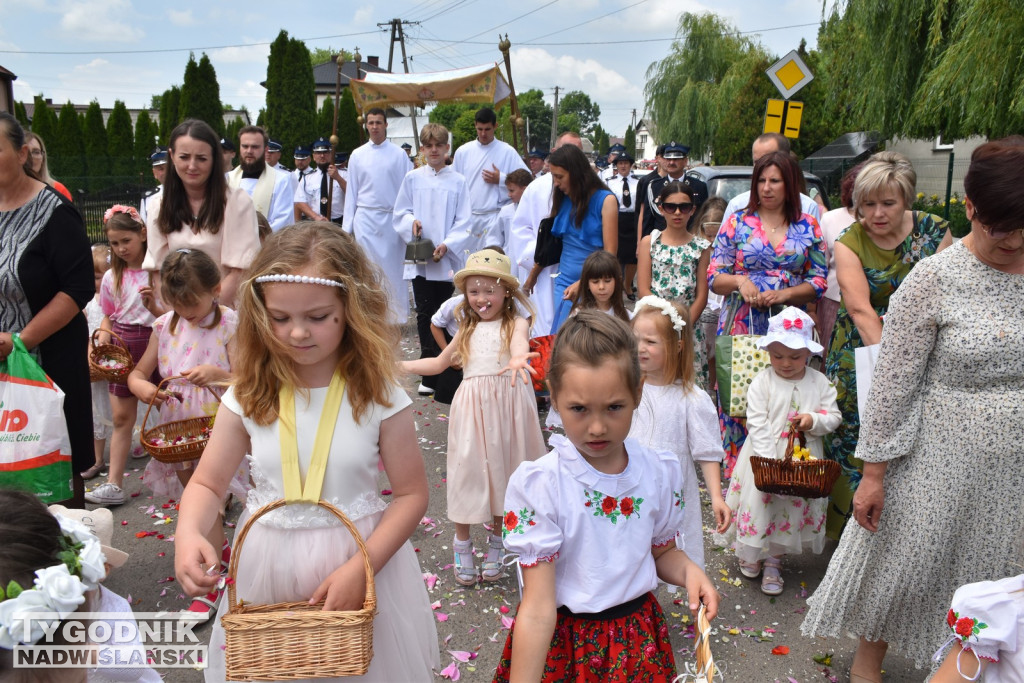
(873, 256)
(767, 256)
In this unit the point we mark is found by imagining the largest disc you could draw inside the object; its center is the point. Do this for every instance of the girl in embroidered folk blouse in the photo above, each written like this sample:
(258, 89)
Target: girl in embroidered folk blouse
(583, 617)
(315, 391)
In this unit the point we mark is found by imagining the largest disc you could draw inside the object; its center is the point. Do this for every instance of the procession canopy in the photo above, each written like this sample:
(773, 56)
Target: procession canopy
(483, 84)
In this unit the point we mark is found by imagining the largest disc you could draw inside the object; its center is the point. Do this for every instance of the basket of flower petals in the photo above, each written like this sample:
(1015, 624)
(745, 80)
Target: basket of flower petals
(180, 440)
(798, 474)
(109, 361)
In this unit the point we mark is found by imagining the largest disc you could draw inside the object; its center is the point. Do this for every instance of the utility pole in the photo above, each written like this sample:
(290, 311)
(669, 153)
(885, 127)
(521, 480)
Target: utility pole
(554, 122)
(398, 36)
(633, 125)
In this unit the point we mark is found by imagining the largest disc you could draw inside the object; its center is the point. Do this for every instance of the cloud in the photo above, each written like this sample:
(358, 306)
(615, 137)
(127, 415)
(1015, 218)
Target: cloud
(606, 86)
(363, 15)
(183, 18)
(101, 80)
(101, 21)
(249, 54)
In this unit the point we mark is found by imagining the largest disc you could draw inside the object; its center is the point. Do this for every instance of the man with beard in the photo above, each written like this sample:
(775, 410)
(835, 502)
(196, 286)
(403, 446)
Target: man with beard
(375, 174)
(312, 189)
(272, 191)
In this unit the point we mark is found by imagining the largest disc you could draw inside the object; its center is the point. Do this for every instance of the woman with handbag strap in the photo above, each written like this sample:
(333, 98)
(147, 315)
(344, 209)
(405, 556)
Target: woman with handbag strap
(586, 217)
(768, 255)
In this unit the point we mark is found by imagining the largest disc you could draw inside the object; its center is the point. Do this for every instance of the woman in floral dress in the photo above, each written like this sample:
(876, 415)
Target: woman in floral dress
(767, 256)
(673, 265)
(873, 256)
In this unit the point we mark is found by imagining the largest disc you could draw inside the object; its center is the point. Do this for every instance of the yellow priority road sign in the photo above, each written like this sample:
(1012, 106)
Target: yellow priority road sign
(783, 116)
(789, 74)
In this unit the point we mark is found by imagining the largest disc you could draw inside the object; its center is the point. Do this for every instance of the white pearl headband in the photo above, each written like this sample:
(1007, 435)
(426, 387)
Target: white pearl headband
(300, 279)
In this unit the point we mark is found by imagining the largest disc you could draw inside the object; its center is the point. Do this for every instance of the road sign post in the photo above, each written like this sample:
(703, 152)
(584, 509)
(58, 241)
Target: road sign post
(789, 74)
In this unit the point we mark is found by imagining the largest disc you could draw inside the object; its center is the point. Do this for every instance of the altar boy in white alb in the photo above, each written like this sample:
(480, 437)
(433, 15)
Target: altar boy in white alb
(433, 203)
(375, 172)
(485, 163)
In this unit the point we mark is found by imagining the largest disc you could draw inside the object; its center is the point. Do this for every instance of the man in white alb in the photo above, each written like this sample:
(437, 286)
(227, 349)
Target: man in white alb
(484, 163)
(272, 191)
(375, 173)
(534, 206)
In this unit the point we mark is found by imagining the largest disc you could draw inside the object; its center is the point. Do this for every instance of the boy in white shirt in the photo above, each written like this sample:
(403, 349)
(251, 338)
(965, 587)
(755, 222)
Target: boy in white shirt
(433, 203)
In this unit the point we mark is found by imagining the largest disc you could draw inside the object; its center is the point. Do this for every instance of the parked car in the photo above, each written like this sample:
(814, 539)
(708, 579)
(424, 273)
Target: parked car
(729, 181)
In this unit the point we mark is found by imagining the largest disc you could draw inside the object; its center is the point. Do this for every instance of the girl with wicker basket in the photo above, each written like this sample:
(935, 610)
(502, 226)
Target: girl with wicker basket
(786, 395)
(129, 309)
(594, 523)
(676, 415)
(195, 339)
(494, 424)
(316, 402)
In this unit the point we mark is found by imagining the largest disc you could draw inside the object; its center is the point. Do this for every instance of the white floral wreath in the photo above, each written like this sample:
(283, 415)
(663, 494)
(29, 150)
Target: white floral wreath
(665, 307)
(59, 589)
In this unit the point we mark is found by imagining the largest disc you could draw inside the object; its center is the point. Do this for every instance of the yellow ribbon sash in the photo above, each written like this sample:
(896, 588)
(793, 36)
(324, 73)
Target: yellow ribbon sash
(294, 491)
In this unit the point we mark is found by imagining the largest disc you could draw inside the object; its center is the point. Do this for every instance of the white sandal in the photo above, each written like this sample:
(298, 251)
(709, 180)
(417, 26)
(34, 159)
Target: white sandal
(492, 564)
(751, 570)
(465, 574)
(771, 581)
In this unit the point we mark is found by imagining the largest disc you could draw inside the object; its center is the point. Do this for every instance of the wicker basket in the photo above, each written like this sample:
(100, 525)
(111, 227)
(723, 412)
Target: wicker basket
(101, 352)
(294, 640)
(788, 477)
(181, 452)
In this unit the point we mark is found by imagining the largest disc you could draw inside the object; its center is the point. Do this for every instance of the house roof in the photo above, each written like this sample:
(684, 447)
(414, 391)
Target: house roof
(324, 74)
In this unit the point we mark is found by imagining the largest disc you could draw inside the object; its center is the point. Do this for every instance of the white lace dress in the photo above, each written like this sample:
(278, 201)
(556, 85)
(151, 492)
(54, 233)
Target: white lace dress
(946, 411)
(290, 551)
(686, 424)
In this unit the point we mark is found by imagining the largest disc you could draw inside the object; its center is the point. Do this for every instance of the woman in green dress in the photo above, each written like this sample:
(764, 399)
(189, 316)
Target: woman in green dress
(872, 257)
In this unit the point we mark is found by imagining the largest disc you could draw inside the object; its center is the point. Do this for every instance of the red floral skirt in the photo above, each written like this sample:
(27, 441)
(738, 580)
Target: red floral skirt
(628, 642)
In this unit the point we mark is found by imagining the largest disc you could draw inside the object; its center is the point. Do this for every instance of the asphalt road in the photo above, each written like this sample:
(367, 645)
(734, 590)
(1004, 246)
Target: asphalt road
(470, 620)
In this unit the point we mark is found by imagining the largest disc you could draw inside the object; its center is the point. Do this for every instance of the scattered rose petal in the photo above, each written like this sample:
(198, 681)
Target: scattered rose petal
(385, 492)
(441, 616)
(504, 609)
(780, 650)
(435, 605)
(451, 672)
(431, 580)
(462, 655)
(506, 622)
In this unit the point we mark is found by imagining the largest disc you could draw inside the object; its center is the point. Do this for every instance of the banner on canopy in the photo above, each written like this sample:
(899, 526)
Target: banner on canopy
(476, 84)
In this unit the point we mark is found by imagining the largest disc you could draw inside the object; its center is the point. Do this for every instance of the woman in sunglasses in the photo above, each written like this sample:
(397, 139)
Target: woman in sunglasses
(767, 256)
(37, 162)
(872, 258)
(673, 264)
(939, 503)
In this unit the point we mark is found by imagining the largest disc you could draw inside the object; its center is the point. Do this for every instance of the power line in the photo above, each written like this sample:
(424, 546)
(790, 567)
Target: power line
(448, 8)
(175, 49)
(589, 21)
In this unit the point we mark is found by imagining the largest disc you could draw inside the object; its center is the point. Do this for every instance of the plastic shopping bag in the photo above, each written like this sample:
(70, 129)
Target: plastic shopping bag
(864, 358)
(35, 451)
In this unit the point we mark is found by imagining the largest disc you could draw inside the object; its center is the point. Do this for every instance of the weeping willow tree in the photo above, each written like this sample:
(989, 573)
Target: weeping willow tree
(683, 92)
(976, 85)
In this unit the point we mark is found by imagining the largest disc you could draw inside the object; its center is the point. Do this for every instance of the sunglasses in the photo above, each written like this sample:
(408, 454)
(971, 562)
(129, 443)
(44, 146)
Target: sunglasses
(999, 234)
(672, 207)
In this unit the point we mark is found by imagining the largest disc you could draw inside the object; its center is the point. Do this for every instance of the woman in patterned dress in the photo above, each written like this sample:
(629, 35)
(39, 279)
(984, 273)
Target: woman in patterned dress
(939, 503)
(673, 265)
(872, 257)
(767, 256)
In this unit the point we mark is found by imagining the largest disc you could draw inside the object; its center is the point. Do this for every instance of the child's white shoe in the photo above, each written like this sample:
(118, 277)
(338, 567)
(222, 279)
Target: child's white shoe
(771, 582)
(492, 565)
(465, 566)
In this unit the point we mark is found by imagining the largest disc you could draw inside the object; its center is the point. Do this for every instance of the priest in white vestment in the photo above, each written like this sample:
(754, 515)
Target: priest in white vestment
(272, 191)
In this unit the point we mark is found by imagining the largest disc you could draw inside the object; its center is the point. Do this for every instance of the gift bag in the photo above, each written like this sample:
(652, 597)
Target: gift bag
(543, 346)
(737, 360)
(864, 359)
(35, 451)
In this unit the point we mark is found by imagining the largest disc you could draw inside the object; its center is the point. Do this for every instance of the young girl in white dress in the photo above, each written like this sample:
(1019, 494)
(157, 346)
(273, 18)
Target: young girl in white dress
(678, 416)
(986, 624)
(313, 353)
(493, 425)
(594, 522)
(787, 395)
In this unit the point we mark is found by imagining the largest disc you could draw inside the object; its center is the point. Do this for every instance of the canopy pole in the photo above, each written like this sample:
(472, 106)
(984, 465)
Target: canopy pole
(517, 121)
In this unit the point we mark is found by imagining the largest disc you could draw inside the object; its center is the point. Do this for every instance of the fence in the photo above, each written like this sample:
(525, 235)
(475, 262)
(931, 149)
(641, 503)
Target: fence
(127, 190)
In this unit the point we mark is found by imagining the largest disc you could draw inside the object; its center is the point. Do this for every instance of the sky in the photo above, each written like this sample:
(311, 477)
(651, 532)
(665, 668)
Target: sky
(81, 50)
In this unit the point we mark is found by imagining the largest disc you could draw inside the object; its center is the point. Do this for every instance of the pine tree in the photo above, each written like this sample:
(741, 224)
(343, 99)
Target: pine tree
(231, 131)
(67, 154)
(277, 75)
(325, 120)
(94, 136)
(629, 140)
(44, 121)
(348, 123)
(169, 119)
(291, 114)
(207, 103)
(21, 114)
(120, 143)
(145, 141)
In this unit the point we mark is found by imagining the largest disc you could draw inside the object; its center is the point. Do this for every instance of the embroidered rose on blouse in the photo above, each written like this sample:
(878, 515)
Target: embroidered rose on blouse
(964, 628)
(517, 523)
(612, 507)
